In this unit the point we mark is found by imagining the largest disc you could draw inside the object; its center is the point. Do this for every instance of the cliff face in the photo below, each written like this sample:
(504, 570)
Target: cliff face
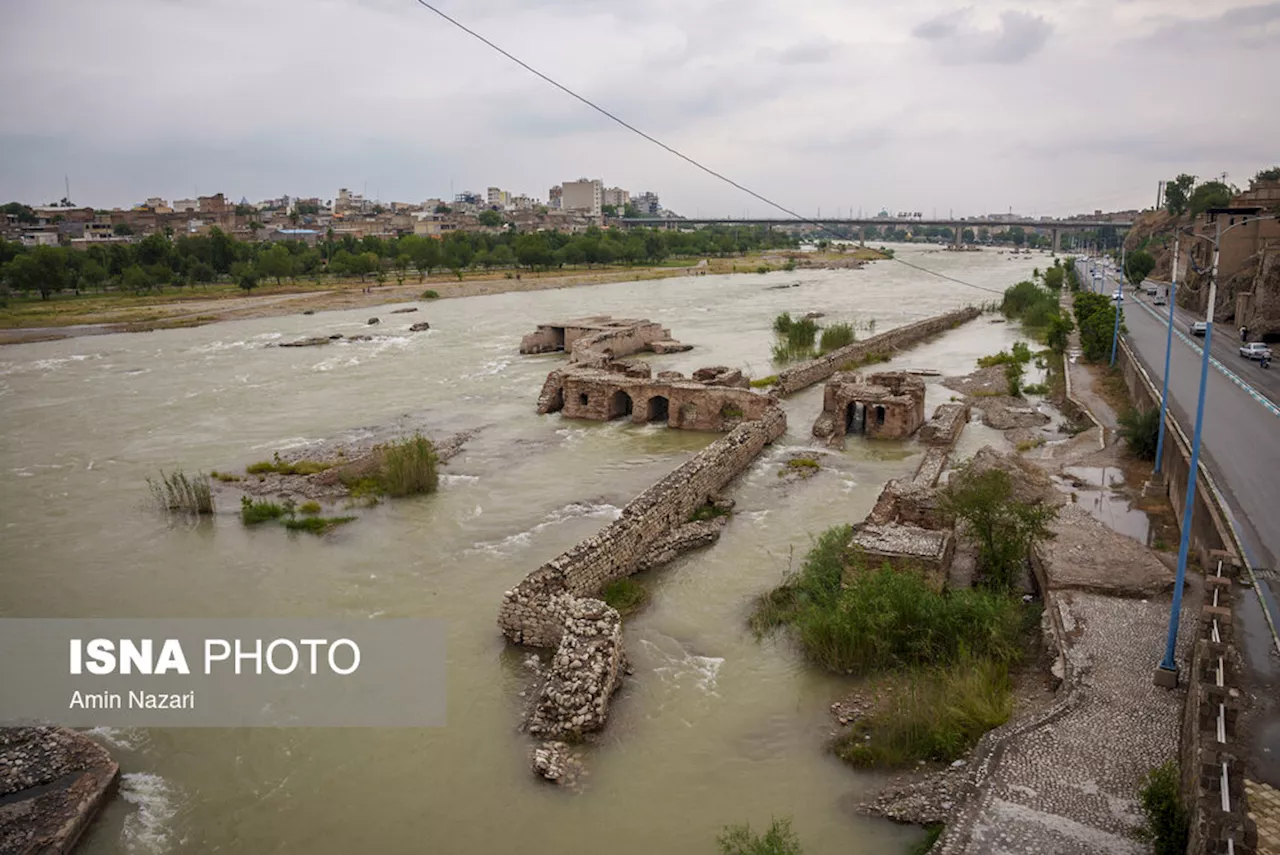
(1155, 229)
(1257, 306)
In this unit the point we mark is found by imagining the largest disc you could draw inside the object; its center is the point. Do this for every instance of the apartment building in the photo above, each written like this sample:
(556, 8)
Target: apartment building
(584, 195)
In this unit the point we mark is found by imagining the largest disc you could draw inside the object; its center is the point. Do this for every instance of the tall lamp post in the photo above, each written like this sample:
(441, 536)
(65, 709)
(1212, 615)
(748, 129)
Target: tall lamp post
(1119, 301)
(1167, 671)
(1168, 347)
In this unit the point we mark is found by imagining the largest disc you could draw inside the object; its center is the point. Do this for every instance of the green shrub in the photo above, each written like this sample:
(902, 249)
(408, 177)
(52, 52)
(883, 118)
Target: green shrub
(883, 619)
(1036, 389)
(778, 840)
(764, 382)
(430, 294)
(316, 525)
(836, 336)
(409, 467)
(300, 467)
(1005, 529)
(708, 512)
(937, 714)
(1020, 355)
(253, 512)
(782, 323)
(790, 265)
(1013, 376)
(1140, 430)
(1167, 822)
(803, 463)
(224, 477)
(626, 595)
(730, 411)
(764, 268)
(176, 492)
(310, 508)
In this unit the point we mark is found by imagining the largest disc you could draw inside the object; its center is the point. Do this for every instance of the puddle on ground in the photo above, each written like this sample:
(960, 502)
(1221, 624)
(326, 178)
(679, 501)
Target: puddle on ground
(1099, 490)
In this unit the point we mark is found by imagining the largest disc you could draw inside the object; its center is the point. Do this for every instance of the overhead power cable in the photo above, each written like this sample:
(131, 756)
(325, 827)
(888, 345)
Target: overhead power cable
(601, 110)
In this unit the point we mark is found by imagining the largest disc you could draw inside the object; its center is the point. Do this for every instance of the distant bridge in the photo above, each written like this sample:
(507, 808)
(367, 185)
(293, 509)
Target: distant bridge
(1056, 227)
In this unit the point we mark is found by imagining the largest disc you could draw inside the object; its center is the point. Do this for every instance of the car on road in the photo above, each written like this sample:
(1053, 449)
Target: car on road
(1158, 300)
(1196, 327)
(1255, 350)
(1117, 295)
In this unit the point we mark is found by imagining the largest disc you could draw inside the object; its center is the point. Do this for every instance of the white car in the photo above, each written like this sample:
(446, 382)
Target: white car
(1255, 350)
(1117, 295)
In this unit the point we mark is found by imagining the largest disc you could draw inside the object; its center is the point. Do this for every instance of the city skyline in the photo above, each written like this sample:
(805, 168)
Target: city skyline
(993, 107)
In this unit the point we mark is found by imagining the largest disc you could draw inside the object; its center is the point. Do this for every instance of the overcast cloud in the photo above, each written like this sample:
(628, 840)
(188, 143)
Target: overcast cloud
(1042, 106)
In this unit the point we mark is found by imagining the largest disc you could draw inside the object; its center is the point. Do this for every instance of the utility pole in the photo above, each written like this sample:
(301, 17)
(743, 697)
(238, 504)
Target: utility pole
(1168, 346)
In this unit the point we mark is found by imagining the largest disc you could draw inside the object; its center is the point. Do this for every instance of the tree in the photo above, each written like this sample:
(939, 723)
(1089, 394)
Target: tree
(1054, 277)
(1138, 265)
(491, 219)
(443, 209)
(1017, 235)
(245, 276)
(1272, 174)
(201, 272)
(1211, 194)
(1004, 527)
(1059, 332)
(254, 228)
(245, 210)
(276, 262)
(609, 210)
(92, 273)
(1177, 193)
(1140, 429)
(967, 235)
(135, 279)
(631, 212)
(122, 229)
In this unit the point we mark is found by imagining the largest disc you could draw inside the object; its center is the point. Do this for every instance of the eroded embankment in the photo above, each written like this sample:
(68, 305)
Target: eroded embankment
(815, 370)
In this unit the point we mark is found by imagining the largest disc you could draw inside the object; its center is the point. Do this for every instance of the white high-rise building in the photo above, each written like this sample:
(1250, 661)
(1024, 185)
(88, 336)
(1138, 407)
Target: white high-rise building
(584, 196)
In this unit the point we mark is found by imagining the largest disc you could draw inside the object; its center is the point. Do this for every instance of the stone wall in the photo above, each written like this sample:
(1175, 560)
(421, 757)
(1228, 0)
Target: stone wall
(816, 370)
(1211, 748)
(619, 548)
(945, 426)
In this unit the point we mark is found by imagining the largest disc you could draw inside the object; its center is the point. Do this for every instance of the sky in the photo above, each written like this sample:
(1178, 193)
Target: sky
(1045, 107)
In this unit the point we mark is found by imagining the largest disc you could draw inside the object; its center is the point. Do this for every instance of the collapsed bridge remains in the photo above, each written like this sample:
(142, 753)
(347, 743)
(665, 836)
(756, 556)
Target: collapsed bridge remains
(883, 405)
(598, 339)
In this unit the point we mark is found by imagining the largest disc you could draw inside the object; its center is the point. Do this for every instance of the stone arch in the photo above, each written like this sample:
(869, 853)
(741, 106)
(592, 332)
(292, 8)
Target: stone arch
(658, 409)
(854, 418)
(879, 415)
(619, 404)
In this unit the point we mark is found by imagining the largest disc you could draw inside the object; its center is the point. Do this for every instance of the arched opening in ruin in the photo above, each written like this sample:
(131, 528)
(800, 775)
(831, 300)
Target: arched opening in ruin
(619, 405)
(854, 416)
(557, 401)
(879, 415)
(583, 399)
(658, 409)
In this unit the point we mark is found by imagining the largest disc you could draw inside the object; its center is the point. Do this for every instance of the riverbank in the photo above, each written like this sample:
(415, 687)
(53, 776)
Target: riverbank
(64, 316)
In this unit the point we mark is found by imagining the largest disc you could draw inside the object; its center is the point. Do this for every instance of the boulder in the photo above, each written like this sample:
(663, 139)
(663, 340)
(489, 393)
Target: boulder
(404, 311)
(1086, 555)
(314, 341)
(373, 321)
(420, 327)
(1030, 483)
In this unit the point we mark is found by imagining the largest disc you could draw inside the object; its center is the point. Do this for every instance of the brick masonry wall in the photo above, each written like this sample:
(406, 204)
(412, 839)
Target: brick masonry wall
(816, 370)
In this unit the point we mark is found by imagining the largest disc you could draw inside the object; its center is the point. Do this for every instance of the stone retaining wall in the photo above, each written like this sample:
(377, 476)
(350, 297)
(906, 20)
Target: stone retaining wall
(816, 370)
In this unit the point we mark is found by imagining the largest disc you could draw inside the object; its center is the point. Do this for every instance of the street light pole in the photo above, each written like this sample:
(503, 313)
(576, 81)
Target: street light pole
(1168, 347)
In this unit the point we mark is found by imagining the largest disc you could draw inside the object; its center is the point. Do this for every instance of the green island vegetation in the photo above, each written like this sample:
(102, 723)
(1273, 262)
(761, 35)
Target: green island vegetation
(805, 467)
(1037, 308)
(309, 508)
(280, 467)
(764, 382)
(256, 511)
(949, 652)
(407, 467)
(1096, 318)
(625, 595)
(778, 839)
(709, 512)
(176, 492)
(799, 339)
(1168, 825)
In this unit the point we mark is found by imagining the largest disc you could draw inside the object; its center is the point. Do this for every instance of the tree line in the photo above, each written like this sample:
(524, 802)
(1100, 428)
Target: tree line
(160, 260)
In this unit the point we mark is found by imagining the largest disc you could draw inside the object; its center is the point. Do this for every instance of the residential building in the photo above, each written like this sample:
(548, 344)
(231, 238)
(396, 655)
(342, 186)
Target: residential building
(155, 203)
(647, 203)
(216, 204)
(348, 201)
(555, 197)
(584, 195)
(186, 206)
(617, 197)
(40, 238)
(499, 199)
(523, 203)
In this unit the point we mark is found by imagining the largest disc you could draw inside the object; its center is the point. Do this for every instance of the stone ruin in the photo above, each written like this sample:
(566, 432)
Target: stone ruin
(715, 398)
(883, 405)
(599, 339)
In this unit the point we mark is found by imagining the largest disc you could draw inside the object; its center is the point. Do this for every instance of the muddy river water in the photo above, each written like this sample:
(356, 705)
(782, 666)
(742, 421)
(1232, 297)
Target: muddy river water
(715, 727)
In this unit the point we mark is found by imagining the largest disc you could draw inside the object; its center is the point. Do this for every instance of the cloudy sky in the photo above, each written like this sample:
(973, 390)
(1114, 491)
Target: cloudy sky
(1042, 106)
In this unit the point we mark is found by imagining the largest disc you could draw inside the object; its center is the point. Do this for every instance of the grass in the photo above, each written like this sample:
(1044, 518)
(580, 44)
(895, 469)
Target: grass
(779, 839)
(932, 832)
(626, 595)
(884, 619)
(1167, 823)
(280, 467)
(764, 382)
(1036, 389)
(430, 294)
(835, 337)
(1019, 354)
(309, 508)
(730, 411)
(796, 338)
(1028, 444)
(709, 512)
(224, 477)
(869, 359)
(254, 511)
(176, 492)
(938, 715)
(804, 466)
(316, 525)
(409, 467)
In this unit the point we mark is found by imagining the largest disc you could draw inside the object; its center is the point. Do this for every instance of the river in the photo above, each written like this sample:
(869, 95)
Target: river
(713, 728)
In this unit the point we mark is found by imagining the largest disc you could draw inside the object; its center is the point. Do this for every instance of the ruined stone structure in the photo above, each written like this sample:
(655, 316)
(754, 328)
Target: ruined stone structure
(598, 339)
(713, 399)
(945, 426)
(908, 548)
(806, 374)
(556, 605)
(885, 405)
